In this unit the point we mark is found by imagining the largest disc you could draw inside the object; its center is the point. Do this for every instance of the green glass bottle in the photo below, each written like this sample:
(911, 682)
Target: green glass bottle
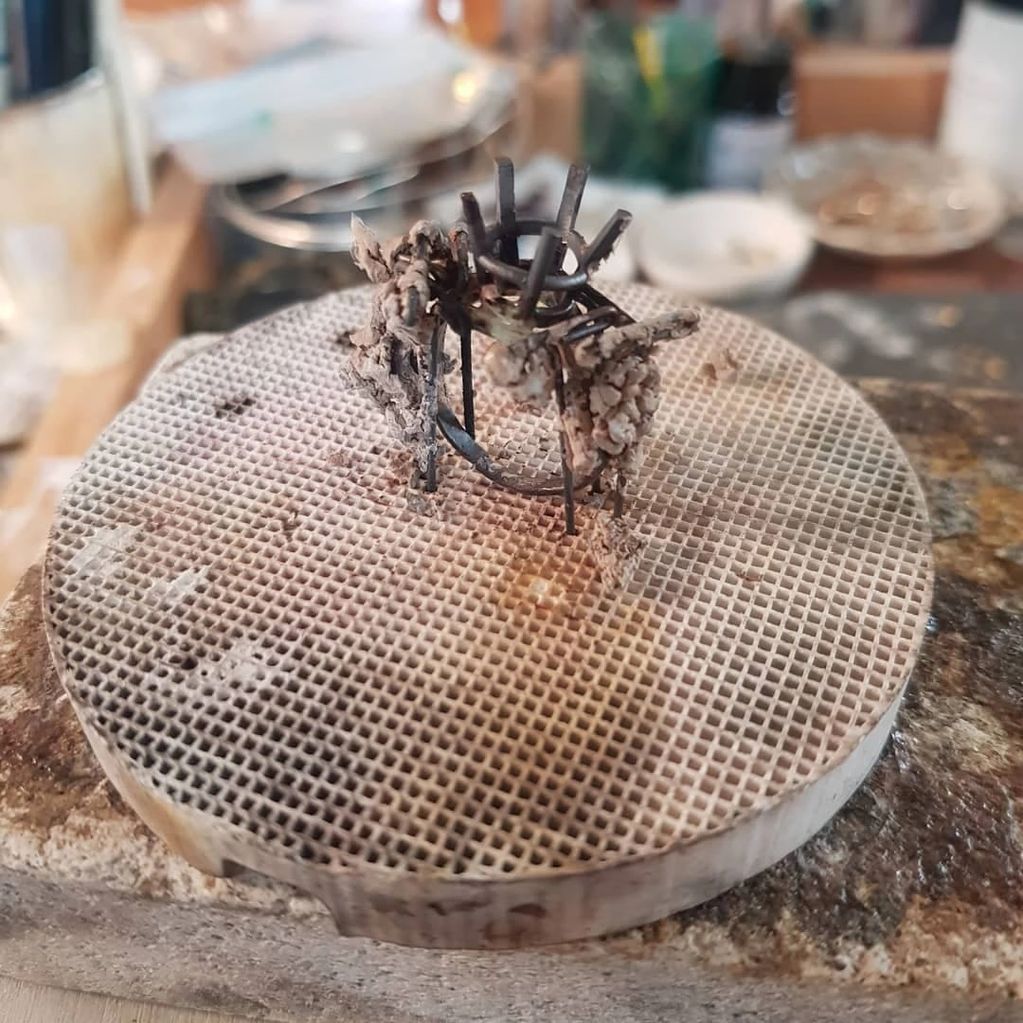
(647, 95)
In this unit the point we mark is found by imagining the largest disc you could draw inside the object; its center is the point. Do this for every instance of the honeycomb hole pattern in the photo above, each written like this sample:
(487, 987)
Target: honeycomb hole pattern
(264, 624)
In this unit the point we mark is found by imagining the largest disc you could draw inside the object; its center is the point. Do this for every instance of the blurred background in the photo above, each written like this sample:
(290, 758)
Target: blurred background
(847, 171)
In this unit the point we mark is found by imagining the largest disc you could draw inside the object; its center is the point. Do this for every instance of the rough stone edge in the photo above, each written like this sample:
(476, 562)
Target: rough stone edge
(88, 938)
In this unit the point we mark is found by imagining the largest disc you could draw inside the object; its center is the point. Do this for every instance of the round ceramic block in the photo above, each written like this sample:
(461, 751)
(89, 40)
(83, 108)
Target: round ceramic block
(432, 711)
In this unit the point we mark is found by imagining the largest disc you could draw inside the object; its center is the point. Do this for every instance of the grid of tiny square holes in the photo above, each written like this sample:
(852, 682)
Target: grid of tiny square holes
(249, 606)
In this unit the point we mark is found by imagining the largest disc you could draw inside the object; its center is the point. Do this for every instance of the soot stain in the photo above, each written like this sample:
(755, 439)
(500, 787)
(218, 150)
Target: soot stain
(233, 406)
(927, 826)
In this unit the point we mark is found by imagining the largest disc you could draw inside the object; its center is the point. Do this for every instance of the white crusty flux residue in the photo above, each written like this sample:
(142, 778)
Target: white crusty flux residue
(101, 554)
(171, 592)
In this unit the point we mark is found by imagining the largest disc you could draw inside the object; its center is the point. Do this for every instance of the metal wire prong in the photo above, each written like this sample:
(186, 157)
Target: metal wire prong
(607, 237)
(431, 396)
(567, 476)
(597, 321)
(468, 391)
(571, 199)
(476, 228)
(542, 259)
(504, 177)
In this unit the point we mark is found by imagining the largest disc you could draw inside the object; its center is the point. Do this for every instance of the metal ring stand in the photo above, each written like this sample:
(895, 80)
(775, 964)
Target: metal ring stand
(523, 283)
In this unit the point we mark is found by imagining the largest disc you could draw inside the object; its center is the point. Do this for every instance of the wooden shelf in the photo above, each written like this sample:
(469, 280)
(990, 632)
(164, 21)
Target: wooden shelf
(161, 258)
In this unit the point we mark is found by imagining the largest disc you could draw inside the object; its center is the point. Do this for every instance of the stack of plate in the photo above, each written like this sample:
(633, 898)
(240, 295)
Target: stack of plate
(889, 198)
(391, 185)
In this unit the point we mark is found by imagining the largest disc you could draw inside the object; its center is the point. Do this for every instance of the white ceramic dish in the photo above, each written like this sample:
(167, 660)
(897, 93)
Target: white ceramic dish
(889, 198)
(331, 112)
(723, 245)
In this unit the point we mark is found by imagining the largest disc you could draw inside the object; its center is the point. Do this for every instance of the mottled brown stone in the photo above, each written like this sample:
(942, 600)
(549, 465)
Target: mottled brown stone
(48, 769)
(934, 838)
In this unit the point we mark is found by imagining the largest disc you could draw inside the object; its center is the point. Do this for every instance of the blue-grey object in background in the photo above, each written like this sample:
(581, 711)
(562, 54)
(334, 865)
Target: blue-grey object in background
(50, 43)
(5, 58)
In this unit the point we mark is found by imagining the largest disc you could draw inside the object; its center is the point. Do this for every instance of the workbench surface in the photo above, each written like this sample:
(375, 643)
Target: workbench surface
(909, 906)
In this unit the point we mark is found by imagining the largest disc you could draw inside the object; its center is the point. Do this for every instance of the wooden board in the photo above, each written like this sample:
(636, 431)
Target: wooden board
(842, 89)
(30, 1003)
(138, 314)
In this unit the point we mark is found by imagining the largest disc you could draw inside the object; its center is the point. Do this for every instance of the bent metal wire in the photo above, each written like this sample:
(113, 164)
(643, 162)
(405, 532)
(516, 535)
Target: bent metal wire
(541, 294)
